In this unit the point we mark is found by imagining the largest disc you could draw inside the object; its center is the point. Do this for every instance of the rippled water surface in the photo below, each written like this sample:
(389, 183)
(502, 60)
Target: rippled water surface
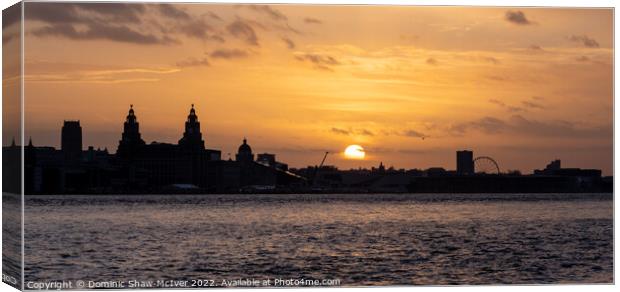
(359, 239)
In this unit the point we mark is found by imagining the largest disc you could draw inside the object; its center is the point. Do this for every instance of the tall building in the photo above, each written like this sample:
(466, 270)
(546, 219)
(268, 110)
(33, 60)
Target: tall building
(71, 141)
(464, 162)
(131, 139)
(192, 137)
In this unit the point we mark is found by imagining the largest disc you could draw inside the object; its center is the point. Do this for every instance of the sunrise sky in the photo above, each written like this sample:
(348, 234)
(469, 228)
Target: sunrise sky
(409, 84)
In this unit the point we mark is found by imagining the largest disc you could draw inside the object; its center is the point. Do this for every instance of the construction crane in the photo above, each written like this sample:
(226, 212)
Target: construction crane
(316, 173)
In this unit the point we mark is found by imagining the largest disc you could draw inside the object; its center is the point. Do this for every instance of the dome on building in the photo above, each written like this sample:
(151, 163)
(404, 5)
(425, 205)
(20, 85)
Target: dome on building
(245, 148)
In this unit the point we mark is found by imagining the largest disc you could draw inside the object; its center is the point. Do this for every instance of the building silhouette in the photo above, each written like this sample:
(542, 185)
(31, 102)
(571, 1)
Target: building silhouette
(71, 141)
(138, 167)
(190, 167)
(244, 153)
(156, 164)
(131, 139)
(464, 162)
(192, 137)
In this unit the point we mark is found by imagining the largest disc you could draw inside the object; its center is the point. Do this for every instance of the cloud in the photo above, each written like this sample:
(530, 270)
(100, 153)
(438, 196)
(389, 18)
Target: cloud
(267, 10)
(431, 61)
(339, 131)
(228, 54)
(47, 72)
(517, 17)
(531, 104)
(242, 30)
(197, 28)
(505, 106)
(414, 134)
(536, 49)
(480, 59)
(557, 128)
(75, 13)
(119, 22)
(289, 43)
(98, 31)
(53, 13)
(279, 21)
(119, 12)
(361, 132)
(488, 125)
(585, 40)
(520, 125)
(322, 62)
(194, 62)
(213, 15)
(173, 12)
(311, 20)
(365, 132)
(94, 21)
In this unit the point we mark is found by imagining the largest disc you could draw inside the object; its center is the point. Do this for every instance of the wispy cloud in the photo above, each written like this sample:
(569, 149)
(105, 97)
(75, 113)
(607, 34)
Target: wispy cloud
(535, 48)
(339, 131)
(479, 59)
(532, 105)
(360, 132)
(414, 134)
(273, 13)
(322, 62)
(194, 62)
(520, 125)
(213, 15)
(173, 11)
(98, 31)
(94, 21)
(510, 108)
(128, 23)
(196, 28)
(585, 40)
(228, 54)
(289, 43)
(116, 75)
(517, 17)
(242, 30)
(311, 20)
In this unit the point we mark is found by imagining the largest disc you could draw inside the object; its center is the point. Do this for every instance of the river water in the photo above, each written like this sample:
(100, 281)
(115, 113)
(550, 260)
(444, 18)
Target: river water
(346, 240)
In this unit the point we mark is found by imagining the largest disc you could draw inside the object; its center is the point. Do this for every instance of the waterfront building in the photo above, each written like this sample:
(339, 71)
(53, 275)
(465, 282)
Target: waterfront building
(138, 167)
(244, 154)
(71, 141)
(464, 162)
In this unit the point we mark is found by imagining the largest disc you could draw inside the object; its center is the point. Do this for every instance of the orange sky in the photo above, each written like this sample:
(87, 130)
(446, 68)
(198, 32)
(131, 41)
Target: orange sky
(522, 85)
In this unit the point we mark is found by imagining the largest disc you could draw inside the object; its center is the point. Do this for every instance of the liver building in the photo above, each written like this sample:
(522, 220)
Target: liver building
(140, 167)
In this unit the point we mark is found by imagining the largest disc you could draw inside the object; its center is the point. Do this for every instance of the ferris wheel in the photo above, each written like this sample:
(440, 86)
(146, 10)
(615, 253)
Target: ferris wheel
(485, 165)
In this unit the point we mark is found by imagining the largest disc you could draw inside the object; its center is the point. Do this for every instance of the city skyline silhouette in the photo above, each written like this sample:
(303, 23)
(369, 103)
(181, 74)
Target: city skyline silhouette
(135, 136)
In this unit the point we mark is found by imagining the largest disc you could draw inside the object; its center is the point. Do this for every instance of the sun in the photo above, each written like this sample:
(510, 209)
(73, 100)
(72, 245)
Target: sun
(354, 152)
